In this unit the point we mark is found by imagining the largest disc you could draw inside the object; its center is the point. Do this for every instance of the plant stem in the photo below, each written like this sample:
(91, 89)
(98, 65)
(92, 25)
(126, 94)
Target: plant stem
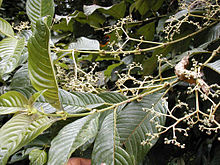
(214, 53)
(137, 51)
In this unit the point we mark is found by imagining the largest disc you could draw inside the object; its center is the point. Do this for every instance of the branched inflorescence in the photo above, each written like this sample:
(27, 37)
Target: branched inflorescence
(207, 119)
(82, 81)
(188, 11)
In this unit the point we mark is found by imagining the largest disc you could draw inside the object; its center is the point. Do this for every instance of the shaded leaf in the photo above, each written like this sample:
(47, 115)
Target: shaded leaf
(71, 137)
(214, 33)
(19, 131)
(144, 6)
(10, 52)
(214, 66)
(12, 102)
(117, 10)
(37, 9)
(133, 124)
(107, 145)
(37, 157)
(84, 43)
(5, 27)
(147, 31)
(21, 82)
(40, 65)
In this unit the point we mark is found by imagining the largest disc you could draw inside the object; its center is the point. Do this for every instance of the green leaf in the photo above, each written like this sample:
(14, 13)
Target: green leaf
(21, 82)
(112, 97)
(35, 96)
(12, 102)
(71, 137)
(10, 53)
(37, 9)
(117, 10)
(19, 131)
(133, 123)
(110, 68)
(40, 65)
(37, 157)
(107, 145)
(147, 31)
(76, 102)
(1, 2)
(214, 66)
(5, 27)
(144, 6)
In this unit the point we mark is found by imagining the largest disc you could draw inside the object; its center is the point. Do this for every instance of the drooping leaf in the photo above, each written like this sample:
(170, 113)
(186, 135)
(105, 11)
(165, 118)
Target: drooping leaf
(107, 147)
(71, 137)
(84, 43)
(12, 102)
(37, 157)
(40, 65)
(76, 102)
(214, 66)
(10, 52)
(5, 27)
(88, 10)
(1, 2)
(19, 131)
(117, 10)
(37, 9)
(133, 124)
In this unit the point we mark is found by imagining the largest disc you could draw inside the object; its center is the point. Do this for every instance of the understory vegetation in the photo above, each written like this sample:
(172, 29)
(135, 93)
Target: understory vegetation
(130, 82)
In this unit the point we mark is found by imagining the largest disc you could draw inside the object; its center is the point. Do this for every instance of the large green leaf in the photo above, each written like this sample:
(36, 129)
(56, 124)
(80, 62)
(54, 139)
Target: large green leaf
(37, 9)
(71, 137)
(12, 102)
(19, 131)
(10, 52)
(107, 145)
(133, 123)
(5, 27)
(78, 102)
(40, 65)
